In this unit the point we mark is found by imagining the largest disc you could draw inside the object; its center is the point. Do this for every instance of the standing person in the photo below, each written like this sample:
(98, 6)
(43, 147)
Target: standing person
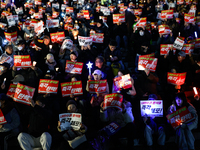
(184, 136)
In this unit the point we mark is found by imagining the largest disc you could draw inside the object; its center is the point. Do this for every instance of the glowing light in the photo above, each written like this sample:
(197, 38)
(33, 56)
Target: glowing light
(195, 90)
(195, 34)
(89, 66)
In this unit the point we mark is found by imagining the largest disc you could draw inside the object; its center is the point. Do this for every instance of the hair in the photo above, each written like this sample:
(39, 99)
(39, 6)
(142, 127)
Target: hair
(101, 58)
(181, 95)
(113, 43)
(46, 37)
(8, 47)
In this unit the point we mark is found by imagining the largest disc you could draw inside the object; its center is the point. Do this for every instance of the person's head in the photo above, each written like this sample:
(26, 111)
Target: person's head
(180, 99)
(21, 45)
(99, 23)
(18, 79)
(3, 100)
(112, 45)
(121, 73)
(50, 58)
(152, 97)
(73, 56)
(40, 101)
(9, 49)
(97, 74)
(99, 61)
(46, 40)
(4, 67)
(8, 7)
(71, 106)
(141, 32)
(181, 56)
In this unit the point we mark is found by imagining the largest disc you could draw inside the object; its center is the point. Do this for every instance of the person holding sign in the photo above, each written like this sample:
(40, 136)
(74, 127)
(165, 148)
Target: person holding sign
(12, 119)
(184, 136)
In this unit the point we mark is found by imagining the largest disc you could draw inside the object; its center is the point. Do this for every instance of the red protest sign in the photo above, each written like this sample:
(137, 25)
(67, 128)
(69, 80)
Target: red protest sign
(38, 15)
(55, 14)
(38, 2)
(118, 18)
(176, 78)
(2, 118)
(165, 48)
(142, 22)
(57, 37)
(22, 61)
(69, 88)
(145, 62)
(68, 27)
(113, 100)
(120, 5)
(28, 5)
(11, 37)
(69, 10)
(163, 29)
(189, 18)
(138, 12)
(123, 9)
(11, 89)
(80, 15)
(3, 5)
(112, 8)
(86, 14)
(73, 67)
(167, 14)
(42, 10)
(97, 37)
(188, 48)
(180, 2)
(31, 11)
(33, 22)
(48, 86)
(122, 82)
(23, 93)
(97, 86)
(104, 18)
(182, 115)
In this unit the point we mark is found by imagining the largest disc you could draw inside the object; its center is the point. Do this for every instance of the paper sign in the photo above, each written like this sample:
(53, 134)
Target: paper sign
(63, 7)
(28, 5)
(52, 23)
(164, 29)
(11, 37)
(178, 43)
(112, 8)
(86, 14)
(84, 41)
(118, 18)
(123, 9)
(23, 93)
(38, 15)
(11, 89)
(113, 100)
(142, 22)
(55, 14)
(39, 28)
(188, 48)
(122, 82)
(57, 37)
(68, 27)
(55, 5)
(97, 86)
(112, 128)
(151, 108)
(38, 2)
(2, 25)
(97, 37)
(69, 88)
(176, 78)
(145, 62)
(11, 20)
(66, 1)
(6, 59)
(6, 13)
(138, 12)
(80, 15)
(48, 86)
(33, 22)
(180, 2)
(19, 11)
(182, 115)
(3, 5)
(2, 118)
(42, 10)
(165, 48)
(120, 5)
(16, 18)
(103, 18)
(22, 61)
(69, 10)
(73, 67)
(167, 14)
(189, 18)
(70, 120)
(67, 44)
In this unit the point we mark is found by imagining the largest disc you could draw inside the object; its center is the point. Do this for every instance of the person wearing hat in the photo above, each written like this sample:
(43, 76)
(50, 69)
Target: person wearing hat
(100, 27)
(50, 62)
(11, 116)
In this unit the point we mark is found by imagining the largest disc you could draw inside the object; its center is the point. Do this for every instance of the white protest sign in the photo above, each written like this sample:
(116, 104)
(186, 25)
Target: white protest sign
(19, 11)
(39, 28)
(63, 7)
(53, 23)
(178, 43)
(151, 108)
(55, 5)
(84, 41)
(67, 44)
(16, 18)
(70, 120)
(11, 20)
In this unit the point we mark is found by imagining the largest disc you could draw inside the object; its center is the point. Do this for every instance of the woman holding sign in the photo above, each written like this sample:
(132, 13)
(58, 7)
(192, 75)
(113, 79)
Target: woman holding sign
(183, 118)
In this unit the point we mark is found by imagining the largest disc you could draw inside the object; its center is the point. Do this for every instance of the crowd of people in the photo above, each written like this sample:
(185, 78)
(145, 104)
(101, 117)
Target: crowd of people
(115, 51)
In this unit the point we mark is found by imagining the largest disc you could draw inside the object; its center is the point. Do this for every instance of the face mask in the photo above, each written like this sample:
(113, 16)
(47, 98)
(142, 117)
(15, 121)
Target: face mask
(141, 33)
(20, 48)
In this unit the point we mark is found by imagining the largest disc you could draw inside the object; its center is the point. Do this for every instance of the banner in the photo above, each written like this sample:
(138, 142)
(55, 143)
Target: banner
(122, 82)
(57, 37)
(67, 44)
(167, 14)
(11, 20)
(165, 48)
(188, 48)
(145, 62)
(97, 37)
(182, 115)
(52, 23)
(118, 18)
(86, 14)
(84, 41)
(176, 78)
(138, 12)
(69, 88)
(22, 61)
(142, 22)
(23, 93)
(164, 29)
(178, 43)
(39, 28)
(97, 86)
(48, 86)
(112, 128)
(2, 118)
(70, 120)
(69, 10)
(189, 18)
(73, 67)
(11, 89)
(151, 108)
(113, 100)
